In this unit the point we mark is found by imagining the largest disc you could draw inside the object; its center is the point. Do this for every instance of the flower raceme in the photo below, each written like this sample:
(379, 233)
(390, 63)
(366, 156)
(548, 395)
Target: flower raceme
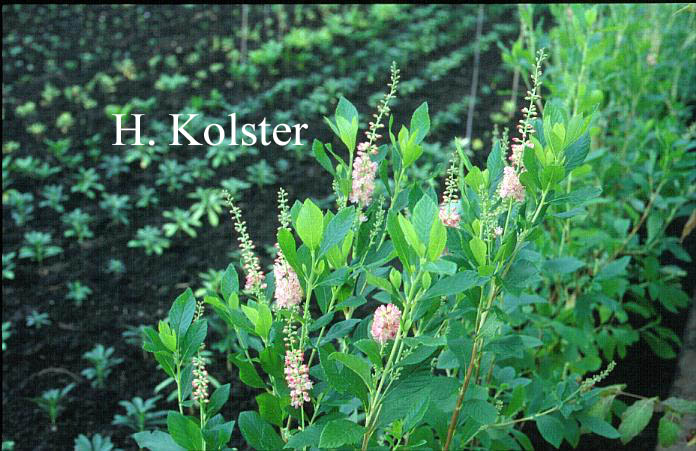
(288, 292)
(364, 171)
(385, 324)
(511, 186)
(449, 215)
(255, 278)
(297, 377)
(200, 381)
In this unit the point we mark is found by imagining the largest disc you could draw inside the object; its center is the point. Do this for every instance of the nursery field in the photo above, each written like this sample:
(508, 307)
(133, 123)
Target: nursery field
(551, 265)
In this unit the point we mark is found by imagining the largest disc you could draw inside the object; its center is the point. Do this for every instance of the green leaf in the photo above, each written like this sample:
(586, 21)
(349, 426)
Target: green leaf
(635, 418)
(264, 321)
(156, 441)
(495, 165)
(411, 235)
(417, 355)
(184, 431)
(478, 248)
(551, 429)
(334, 279)
(287, 244)
(475, 179)
(406, 398)
(578, 196)
(269, 408)
(247, 373)
(614, 269)
(682, 406)
(437, 242)
(233, 317)
(355, 364)
(229, 283)
(398, 239)
(257, 433)
(351, 302)
(575, 153)
(339, 330)
(193, 339)
(217, 433)
(322, 158)
(455, 284)
(563, 265)
(310, 224)
(667, 432)
(347, 123)
(346, 110)
(420, 123)
(341, 432)
(217, 400)
(307, 438)
(598, 426)
(181, 313)
(424, 215)
(371, 350)
(659, 346)
(481, 411)
(337, 229)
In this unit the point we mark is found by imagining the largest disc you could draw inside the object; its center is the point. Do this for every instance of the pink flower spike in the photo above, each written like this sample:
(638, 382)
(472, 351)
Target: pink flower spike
(385, 324)
(288, 291)
(511, 186)
(364, 171)
(449, 216)
(297, 377)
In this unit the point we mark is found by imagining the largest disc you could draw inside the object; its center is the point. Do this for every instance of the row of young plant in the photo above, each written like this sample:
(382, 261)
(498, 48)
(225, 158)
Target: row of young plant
(45, 118)
(499, 297)
(173, 174)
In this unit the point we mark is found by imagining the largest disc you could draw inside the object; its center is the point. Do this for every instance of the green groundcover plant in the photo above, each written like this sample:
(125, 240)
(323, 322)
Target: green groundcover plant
(404, 319)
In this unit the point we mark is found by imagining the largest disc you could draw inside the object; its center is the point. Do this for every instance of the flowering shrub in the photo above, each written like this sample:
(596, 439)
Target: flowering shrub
(399, 321)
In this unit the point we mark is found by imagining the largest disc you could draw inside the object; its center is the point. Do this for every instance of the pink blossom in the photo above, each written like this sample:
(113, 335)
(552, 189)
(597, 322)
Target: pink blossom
(511, 186)
(498, 231)
(297, 377)
(449, 215)
(518, 151)
(288, 292)
(366, 147)
(385, 324)
(200, 381)
(364, 171)
(254, 278)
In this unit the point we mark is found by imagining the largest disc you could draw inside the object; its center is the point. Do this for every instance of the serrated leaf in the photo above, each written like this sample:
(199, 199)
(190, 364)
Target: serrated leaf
(598, 426)
(337, 229)
(269, 408)
(310, 224)
(420, 122)
(156, 441)
(247, 373)
(455, 284)
(355, 364)
(217, 400)
(322, 158)
(551, 429)
(480, 411)
(576, 153)
(258, 433)
(181, 313)
(667, 432)
(635, 418)
(184, 431)
(338, 433)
